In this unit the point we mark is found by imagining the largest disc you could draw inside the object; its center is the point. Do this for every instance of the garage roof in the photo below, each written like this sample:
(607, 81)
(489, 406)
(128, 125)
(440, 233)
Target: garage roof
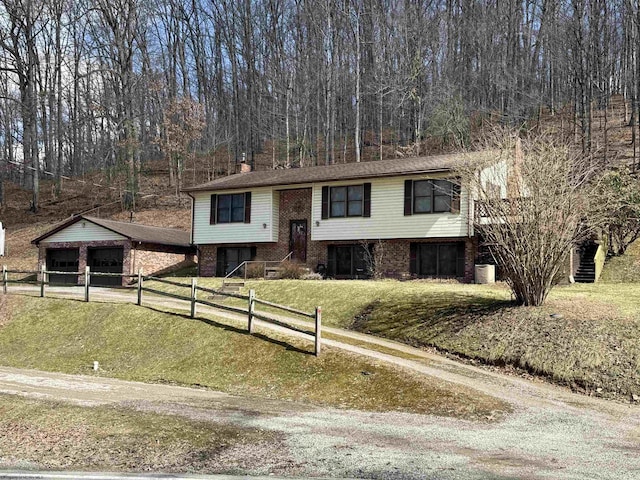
(133, 231)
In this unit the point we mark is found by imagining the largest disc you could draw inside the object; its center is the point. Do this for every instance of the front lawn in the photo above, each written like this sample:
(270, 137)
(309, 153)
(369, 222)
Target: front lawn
(143, 344)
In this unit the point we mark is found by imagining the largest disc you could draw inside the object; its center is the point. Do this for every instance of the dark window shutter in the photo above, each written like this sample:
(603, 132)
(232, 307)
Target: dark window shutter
(366, 206)
(455, 197)
(254, 252)
(413, 259)
(325, 203)
(461, 259)
(220, 261)
(408, 195)
(331, 261)
(212, 213)
(247, 207)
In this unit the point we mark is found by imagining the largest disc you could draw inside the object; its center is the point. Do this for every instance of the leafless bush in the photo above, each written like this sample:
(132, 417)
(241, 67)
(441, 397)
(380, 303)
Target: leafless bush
(255, 270)
(373, 258)
(547, 200)
(291, 270)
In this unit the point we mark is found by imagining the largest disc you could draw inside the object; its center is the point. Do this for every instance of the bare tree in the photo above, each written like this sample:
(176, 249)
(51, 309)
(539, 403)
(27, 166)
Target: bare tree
(624, 222)
(183, 125)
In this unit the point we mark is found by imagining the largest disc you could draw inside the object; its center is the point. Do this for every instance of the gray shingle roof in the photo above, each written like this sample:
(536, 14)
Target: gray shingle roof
(133, 231)
(343, 171)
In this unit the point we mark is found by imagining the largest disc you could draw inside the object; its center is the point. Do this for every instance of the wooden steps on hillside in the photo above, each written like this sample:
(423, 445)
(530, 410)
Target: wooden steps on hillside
(587, 270)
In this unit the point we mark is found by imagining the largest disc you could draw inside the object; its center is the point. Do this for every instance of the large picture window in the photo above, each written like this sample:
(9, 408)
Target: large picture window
(349, 261)
(437, 259)
(231, 208)
(431, 196)
(228, 258)
(346, 201)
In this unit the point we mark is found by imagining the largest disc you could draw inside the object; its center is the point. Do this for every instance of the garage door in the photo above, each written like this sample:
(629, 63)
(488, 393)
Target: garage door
(106, 260)
(63, 260)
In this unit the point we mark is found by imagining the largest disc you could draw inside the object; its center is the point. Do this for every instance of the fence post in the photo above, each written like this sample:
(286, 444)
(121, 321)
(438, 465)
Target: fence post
(252, 305)
(42, 280)
(194, 284)
(140, 280)
(87, 279)
(5, 279)
(318, 330)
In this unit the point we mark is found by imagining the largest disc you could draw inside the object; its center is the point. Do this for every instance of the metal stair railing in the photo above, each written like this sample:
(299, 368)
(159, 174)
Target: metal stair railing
(227, 278)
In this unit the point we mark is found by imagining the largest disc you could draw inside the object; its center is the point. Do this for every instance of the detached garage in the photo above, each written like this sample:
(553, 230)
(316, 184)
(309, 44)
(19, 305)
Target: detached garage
(111, 247)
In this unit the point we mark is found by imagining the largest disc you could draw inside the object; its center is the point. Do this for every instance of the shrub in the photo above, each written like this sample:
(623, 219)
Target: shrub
(255, 270)
(291, 270)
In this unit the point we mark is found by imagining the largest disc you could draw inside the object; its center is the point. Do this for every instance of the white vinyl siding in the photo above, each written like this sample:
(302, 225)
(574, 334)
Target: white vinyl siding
(496, 176)
(387, 218)
(275, 215)
(83, 231)
(253, 232)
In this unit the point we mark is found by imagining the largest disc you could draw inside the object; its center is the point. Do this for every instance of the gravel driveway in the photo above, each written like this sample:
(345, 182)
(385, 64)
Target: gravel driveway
(552, 432)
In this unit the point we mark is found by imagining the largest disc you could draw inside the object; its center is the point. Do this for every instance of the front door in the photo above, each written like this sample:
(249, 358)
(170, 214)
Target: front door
(298, 240)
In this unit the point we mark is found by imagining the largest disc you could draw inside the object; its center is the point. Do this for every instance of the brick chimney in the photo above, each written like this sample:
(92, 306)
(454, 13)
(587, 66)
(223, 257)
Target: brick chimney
(514, 174)
(245, 167)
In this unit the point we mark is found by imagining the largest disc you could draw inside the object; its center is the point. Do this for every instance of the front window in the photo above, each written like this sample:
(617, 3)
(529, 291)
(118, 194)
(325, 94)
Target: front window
(432, 196)
(230, 208)
(438, 259)
(350, 261)
(346, 201)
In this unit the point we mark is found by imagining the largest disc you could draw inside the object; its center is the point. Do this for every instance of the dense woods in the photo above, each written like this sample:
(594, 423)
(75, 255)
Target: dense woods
(112, 84)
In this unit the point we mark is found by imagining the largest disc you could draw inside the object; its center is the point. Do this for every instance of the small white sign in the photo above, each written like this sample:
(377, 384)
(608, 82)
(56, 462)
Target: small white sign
(2, 230)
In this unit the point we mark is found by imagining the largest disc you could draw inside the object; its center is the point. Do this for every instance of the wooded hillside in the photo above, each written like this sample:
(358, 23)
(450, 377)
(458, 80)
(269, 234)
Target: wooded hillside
(109, 86)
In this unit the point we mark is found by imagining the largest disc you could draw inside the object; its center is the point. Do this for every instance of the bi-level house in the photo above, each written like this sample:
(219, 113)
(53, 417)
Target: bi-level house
(326, 216)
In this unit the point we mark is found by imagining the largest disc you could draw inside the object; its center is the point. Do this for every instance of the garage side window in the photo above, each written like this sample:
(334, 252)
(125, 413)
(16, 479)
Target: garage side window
(230, 208)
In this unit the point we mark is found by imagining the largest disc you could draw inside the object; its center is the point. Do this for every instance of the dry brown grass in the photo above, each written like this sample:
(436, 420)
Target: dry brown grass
(50, 435)
(20, 254)
(166, 217)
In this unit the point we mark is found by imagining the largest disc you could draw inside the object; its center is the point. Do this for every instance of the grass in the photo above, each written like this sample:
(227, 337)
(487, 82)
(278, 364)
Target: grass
(585, 336)
(142, 344)
(625, 268)
(50, 435)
